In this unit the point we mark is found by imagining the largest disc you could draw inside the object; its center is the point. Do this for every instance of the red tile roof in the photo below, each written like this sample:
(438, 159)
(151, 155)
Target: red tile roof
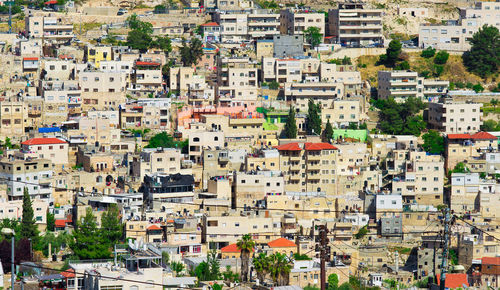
(483, 136)
(30, 58)
(210, 24)
(458, 136)
(289, 147)
(51, 2)
(43, 141)
(281, 243)
(70, 273)
(232, 248)
(454, 280)
(153, 228)
(319, 146)
(147, 63)
(491, 261)
(60, 223)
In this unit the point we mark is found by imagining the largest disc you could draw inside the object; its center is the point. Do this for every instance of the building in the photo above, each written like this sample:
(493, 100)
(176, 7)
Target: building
(152, 160)
(211, 32)
(283, 246)
(51, 29)
(354, 25)
(308, 167)
(296, 22)
(198, 141)
(455, 117)
(401, 85)
(251, 187)
(35, 175)
(159, 188)
(288, 46)
(53, 149)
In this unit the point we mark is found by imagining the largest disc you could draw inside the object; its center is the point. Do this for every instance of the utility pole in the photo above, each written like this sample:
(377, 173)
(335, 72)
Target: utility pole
(323, 244)
(444, 261)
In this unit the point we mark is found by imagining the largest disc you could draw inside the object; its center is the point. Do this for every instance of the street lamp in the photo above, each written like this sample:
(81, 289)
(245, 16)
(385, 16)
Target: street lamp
(6, 232)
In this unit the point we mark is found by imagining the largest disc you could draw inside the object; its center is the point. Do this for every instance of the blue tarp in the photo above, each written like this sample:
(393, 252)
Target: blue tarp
(49, 129)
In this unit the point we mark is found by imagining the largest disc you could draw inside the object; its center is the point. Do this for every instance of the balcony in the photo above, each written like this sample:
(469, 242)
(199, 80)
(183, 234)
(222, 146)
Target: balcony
(313, 157)
(295, 158)
(223, 159)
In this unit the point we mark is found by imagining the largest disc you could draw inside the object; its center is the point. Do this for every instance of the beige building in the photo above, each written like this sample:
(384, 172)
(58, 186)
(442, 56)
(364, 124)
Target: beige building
(342, 112)
(420, 180)
(469, 148)
(13, 119)
(151, 160)
(53, 30)
(451, 116)
(252, 187)
(97, 81)
(198, 141)
(401, 85)
(469, 193)
(355, 25)
(323, 93)
(296, 22)
(53, 149)
(308, 167)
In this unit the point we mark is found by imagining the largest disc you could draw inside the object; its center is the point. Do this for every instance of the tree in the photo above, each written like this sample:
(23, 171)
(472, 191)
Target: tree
(483, 58)
(433, 142)
(163, 140)
(404, 65)
(396, 118)
(361, 233)
(210, 269)
(313, 119)
(460, 168)
(246, 245)
(494, 103)
(138, 39)
(87, 241)
(165, 258)
(414, 125)
(111, 227)
(230, 276)
(177, 267)
(29, 229)
(438, 70)
(163, 43)
(192, 53)
(392, 53)
(428, 52)
(261, 264)
(274, 85)
(333, 281)
(328, 132)
(290, 130)
(490, 126)
(313, 36)
(135, 24)
(280, 268)
(51, 221)
(477, 88)
(441, 57)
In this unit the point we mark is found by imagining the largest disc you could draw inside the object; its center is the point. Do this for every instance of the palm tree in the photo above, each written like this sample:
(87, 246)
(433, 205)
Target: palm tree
(261, 264)
(245, 245)
(177, 267)
(280, 268)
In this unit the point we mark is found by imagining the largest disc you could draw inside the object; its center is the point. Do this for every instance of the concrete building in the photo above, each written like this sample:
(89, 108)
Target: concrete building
(308, 167)
(296, 22)
(288, 46)
(323, 93)
(211, 32)
(38, 172)
(455, 117)
(53, 149)
(354, 25)
(465, 191)
(401, 85)
(13, 119)
(51, 29)
(198, 141)
(251, 187)
(151, 160)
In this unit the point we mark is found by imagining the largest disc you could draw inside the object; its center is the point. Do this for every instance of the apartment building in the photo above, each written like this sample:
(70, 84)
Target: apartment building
(323, 93)
(13, 118)
(252, 187)
(421, 179)
(470, 148)
(296, 21)
(59, 96)
(401, 85)
(29, 47)
(465, 191)
(281, 70)
(233, 26)
(146, 78)
(198, 141)
(221, 231)
(455, 117)
(308, 166)
(428, 256)
(34, 174)
(13, 210)
(220, 162)
(53, 149)
(58, 69)
(51, 29)
(211, 32)
(287, 46)
(238, 72)
(99, 81)
(342, 112)
(456, 35)
(159, 188)
(353, 24)
(151, 160)
(263, 24)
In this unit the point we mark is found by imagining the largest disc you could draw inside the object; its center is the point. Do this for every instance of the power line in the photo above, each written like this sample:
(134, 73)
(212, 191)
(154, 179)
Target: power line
(477, 228)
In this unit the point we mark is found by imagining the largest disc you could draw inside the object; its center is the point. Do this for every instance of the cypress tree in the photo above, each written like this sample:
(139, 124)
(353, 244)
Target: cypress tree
(291, 125)
(29, 229)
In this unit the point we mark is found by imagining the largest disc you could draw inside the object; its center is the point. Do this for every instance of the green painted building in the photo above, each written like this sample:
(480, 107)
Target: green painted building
(360, 135)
